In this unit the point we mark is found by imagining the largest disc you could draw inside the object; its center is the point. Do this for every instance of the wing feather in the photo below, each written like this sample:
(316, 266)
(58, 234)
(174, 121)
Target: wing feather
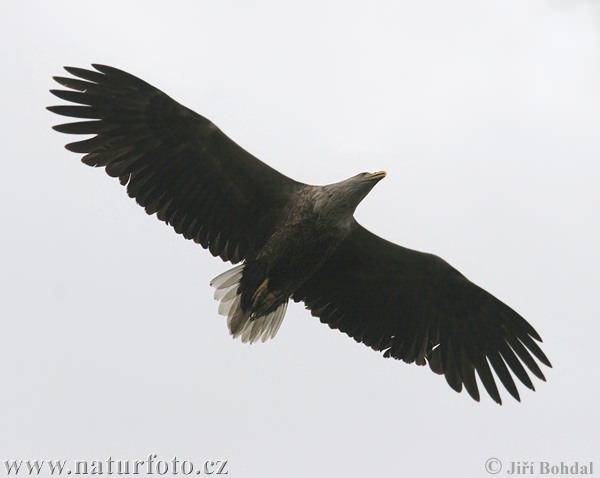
(174, 162)
(417, 308)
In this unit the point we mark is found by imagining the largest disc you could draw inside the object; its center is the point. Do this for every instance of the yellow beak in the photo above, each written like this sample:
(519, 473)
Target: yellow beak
(376, 176)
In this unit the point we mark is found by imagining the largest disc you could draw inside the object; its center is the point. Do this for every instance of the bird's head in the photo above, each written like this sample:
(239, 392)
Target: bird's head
(372, 178)
(357, 187)
(343, 197)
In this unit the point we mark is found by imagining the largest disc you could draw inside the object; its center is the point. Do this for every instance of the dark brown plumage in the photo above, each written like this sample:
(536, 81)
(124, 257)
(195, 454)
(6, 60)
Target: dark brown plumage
(294, 240)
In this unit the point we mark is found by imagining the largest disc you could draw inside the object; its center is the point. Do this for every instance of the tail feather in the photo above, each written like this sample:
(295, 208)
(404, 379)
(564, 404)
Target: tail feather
(242, 324)
(223, 282)
(264, 327)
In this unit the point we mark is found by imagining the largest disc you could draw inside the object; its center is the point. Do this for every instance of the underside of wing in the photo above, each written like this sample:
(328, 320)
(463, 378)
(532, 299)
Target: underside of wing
(417, 308)
(174, 162)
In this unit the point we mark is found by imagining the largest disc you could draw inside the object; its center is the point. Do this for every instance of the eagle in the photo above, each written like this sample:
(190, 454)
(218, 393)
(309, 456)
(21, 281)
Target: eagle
(290, 240)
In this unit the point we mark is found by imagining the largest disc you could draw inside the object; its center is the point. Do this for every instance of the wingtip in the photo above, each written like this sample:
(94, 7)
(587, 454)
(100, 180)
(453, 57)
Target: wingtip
(83, 73)
(534, 334)
(73, 147)
(107, 70)
(476, 399)
(544, 360)
(514, 392)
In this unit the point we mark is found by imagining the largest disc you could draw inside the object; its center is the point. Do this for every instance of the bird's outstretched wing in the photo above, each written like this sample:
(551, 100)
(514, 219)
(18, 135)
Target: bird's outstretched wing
(417, 308)
(174, 162)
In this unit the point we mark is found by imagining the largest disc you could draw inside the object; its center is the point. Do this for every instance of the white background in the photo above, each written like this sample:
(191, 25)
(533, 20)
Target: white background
(485, 116)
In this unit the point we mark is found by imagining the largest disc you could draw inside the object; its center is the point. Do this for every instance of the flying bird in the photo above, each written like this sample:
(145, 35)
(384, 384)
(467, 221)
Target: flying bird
(292, 240)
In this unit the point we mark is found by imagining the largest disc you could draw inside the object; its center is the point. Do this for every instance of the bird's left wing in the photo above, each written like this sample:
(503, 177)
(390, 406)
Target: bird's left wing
(174, 162)
(417, 308)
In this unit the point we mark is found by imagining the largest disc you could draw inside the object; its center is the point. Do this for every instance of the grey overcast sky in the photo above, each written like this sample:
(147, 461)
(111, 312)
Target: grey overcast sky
(486, 116)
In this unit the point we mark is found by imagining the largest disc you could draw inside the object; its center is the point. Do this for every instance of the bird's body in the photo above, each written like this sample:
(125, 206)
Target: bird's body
(314, 223)
(294, 241)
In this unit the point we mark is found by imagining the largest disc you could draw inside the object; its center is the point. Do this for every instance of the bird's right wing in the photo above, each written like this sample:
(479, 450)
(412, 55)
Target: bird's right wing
(174, 162)
(416, 307)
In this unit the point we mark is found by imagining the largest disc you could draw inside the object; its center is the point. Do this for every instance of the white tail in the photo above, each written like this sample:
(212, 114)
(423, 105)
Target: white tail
(240, 323)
